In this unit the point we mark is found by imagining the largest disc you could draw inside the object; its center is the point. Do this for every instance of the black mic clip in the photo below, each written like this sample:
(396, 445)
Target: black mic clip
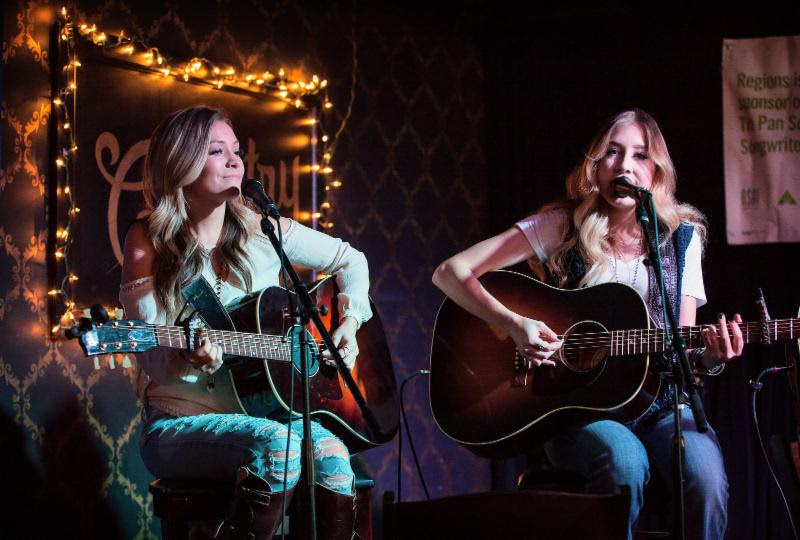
(254, 190)
(623, 187)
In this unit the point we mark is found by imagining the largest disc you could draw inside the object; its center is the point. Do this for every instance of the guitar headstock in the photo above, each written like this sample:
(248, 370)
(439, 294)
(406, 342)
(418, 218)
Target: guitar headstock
(114, 336)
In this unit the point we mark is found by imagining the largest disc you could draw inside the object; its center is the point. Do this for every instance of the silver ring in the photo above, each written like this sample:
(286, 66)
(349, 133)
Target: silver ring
(539, 347)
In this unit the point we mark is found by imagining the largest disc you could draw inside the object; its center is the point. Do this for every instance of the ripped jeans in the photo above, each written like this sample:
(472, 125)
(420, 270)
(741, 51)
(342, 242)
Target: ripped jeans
(214, 446)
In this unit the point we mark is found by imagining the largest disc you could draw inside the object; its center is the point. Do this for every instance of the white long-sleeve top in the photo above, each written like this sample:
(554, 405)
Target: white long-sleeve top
(168, 382)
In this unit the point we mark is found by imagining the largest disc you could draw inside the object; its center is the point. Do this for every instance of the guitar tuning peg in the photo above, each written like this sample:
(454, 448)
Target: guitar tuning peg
(323, 309)
(764, 317)
(73, 332)
(83, 326)
(99, 314)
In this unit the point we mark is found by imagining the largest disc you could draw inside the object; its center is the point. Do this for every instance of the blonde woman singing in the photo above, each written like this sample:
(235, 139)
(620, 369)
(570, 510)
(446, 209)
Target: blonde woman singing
(593, 237)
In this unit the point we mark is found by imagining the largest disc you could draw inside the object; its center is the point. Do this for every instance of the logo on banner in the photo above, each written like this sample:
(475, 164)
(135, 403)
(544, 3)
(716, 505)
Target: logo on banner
(750, 198)
(786, 198)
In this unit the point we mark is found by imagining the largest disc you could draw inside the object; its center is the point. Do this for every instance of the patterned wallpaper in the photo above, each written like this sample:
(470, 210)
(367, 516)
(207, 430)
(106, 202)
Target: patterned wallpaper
(412, 155)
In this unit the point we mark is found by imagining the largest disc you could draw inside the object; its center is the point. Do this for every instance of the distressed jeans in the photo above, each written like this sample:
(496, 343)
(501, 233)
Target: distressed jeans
(215, 446)
(608, 454)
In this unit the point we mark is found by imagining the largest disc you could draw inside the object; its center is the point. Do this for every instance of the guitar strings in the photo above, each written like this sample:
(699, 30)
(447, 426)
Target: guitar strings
(244, 344)
(646, 339)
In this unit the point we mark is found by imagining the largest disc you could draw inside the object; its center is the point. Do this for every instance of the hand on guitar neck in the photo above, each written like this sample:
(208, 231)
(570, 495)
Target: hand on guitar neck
(207, 357)
(722, 344)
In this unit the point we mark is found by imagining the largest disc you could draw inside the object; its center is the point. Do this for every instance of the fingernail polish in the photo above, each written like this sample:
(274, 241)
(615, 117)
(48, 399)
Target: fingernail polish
(720, 316)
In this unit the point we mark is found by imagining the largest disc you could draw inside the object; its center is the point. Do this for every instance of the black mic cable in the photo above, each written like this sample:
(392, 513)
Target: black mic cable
(757, 385)
(410, 441)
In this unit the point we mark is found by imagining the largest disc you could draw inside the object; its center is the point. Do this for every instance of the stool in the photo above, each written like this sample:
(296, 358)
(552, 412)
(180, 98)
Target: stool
(363, 523)
(177, 502)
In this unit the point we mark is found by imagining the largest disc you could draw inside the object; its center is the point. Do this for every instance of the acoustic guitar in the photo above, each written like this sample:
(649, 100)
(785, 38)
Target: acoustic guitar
(261, 367)
(487, 398)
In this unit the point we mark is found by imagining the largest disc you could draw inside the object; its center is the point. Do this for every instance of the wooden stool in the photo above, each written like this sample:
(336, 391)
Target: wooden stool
(178, 502)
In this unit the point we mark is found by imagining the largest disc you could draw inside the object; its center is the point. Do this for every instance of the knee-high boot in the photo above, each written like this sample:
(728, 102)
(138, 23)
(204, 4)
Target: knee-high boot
(256, 510)
(336, 514)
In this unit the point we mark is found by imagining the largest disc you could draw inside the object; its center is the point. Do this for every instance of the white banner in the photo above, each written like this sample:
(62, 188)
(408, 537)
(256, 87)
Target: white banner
(761, 129)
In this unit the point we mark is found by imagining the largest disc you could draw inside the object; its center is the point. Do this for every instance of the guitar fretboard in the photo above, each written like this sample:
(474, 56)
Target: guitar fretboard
(235, 343)
(622, 342)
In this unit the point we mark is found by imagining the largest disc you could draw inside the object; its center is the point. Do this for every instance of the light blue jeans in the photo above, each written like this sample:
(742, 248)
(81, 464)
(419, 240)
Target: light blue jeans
(608, 454)
(215, 446)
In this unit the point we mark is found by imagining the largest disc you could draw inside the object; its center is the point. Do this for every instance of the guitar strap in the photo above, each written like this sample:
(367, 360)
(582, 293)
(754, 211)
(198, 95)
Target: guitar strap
(201, 297)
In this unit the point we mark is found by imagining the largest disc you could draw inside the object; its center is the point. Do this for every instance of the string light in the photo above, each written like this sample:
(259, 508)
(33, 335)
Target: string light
(61, 293)
(302, 94)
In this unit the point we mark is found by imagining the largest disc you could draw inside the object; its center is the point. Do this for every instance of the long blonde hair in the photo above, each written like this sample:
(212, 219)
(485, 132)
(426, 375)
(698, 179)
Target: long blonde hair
(588, 228)
(175, 158)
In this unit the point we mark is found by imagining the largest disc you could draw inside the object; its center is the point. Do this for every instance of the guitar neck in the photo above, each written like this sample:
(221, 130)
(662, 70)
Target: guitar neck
(653, 340)
(234, 343)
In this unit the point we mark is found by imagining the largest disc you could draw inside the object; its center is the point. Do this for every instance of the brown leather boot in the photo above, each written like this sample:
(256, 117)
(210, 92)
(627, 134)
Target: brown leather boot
(256, 510)
(336, 514)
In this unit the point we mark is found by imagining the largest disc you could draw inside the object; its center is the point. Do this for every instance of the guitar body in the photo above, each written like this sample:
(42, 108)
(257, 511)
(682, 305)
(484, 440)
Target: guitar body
(264, 387)
(484, 399)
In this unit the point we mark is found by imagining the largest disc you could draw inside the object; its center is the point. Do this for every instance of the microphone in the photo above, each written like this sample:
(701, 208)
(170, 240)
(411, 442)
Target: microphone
(254, 190)
(624, 188)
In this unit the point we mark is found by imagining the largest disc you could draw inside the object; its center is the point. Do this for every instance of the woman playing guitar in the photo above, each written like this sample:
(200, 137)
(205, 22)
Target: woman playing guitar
(198, 225)
(590, 238)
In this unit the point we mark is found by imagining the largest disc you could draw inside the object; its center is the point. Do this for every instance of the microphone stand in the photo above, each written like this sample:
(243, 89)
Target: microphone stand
(682, 377)
(305, 311)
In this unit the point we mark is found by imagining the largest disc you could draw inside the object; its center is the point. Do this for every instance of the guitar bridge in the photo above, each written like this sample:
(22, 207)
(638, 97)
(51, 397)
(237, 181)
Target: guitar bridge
(521, 367)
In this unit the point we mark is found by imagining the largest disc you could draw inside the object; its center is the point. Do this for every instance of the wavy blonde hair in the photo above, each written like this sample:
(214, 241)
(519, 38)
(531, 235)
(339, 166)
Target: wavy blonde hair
(588, 228)
(175, 158)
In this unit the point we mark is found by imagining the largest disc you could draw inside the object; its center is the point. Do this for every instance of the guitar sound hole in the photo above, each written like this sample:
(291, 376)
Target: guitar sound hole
(585, 346)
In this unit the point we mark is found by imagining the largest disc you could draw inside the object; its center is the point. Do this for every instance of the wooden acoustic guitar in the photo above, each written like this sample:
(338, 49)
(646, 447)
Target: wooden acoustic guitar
(262, 363)
(486, 397)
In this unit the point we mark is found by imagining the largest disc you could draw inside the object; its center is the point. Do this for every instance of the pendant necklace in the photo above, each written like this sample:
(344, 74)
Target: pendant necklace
(635, 271)
(218, 275)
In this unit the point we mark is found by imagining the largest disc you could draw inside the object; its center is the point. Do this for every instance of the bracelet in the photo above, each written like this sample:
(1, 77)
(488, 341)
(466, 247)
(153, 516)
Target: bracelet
(697, 361)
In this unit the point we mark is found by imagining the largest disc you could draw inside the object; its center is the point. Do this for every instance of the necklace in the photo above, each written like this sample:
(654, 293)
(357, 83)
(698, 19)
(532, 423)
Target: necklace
(219, 275)
(635, 270)
(218, 285)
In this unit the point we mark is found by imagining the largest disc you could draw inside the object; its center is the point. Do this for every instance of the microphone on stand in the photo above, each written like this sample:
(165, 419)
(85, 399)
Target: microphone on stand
(624, 188)
(254, 190)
